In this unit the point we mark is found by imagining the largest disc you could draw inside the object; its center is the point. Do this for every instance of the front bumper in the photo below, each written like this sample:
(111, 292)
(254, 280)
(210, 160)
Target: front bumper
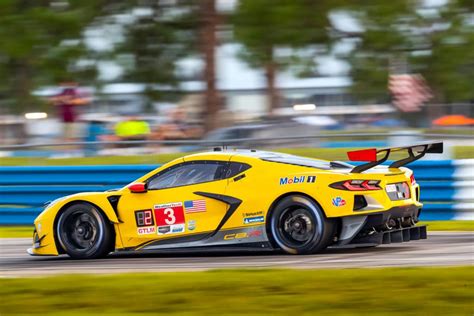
(43, 245)
(395, 225)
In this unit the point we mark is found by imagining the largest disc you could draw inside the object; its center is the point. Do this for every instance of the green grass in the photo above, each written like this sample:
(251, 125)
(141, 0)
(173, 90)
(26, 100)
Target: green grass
(390, 291)
(463, 152)
(459, 152)
(16, 231)
(27, 231)
(100, 160)
(450, 226)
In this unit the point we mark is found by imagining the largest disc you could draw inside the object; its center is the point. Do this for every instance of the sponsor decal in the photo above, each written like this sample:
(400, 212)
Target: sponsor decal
(297, 179)
(169, 218)
(177, 228)
(311, 179)
(194, 206)
(338, 201)
(164, 230)
(243, 235)
(192, 224)
(252, 220)
(146, 230)
(252, 214)
(171, 229)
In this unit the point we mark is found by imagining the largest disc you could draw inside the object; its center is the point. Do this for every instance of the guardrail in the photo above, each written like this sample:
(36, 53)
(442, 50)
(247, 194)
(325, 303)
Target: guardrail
(447, 187)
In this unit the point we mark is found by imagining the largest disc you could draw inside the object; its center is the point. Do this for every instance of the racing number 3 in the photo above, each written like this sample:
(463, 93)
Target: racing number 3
(169, 214)
(171, 218)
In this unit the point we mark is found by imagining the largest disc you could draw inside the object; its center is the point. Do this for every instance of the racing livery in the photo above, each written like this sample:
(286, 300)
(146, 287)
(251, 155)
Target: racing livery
(243, 198)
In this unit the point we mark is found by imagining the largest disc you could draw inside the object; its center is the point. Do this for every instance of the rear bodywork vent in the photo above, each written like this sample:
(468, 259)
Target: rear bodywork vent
(359, 202)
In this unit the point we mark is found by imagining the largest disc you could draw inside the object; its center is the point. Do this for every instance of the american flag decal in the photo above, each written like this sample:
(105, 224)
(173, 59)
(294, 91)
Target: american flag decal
(195, 206)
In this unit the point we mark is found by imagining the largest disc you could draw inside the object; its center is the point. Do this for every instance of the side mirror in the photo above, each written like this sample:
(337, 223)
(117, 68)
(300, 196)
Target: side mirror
(137, 187)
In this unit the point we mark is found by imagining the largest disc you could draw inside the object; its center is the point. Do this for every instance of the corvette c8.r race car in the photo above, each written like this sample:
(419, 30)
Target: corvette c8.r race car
(243, 198)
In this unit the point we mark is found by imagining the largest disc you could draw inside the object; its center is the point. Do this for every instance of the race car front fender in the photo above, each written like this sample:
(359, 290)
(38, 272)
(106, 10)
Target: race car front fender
(44, 242)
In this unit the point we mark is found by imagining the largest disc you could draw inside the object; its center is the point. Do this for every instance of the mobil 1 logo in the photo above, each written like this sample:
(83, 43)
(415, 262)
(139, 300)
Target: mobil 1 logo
(297, 179)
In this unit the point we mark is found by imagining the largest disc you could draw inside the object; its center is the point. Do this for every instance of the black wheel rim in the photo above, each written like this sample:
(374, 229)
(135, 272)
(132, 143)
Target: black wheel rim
(296, 226)
(80, 231)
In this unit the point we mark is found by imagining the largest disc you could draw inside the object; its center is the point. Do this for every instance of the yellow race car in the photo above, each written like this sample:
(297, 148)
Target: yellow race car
(243, 198)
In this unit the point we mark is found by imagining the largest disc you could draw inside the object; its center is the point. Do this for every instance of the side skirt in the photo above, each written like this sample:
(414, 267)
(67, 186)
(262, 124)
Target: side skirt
(223, 238)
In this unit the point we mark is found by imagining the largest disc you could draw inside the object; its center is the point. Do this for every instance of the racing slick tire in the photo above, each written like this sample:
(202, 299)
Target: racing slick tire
(84, 232)
(299, 226)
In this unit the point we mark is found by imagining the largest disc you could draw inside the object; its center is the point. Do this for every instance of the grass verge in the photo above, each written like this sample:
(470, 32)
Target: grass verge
(390, 291)
(27, 231)
(16, 231)
(466, 226)
(459, 152)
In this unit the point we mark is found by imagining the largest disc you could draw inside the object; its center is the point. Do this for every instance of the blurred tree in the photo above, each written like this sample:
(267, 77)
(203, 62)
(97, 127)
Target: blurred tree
(448, 45)
(39, 40)
(409, 37)
(166, 32)
(264, 26)
(208, 42)
(160, 35)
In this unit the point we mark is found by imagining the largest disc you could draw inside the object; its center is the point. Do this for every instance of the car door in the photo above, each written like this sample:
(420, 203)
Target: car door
(173, 205)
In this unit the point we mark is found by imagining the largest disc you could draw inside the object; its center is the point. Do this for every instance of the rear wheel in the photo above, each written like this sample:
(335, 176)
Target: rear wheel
(84, 232)
(298, 226)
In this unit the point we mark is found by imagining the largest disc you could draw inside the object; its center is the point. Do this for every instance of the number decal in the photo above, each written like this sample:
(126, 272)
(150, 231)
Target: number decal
(144, 218)
(171, 218)
(148, 218)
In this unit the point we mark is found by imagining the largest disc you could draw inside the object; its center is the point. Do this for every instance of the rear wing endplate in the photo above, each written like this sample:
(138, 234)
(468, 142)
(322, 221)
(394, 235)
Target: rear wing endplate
(415, 152)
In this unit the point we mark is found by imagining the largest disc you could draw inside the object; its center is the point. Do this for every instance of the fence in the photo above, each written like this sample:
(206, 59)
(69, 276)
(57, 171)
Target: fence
(447, 187)
(326, 140)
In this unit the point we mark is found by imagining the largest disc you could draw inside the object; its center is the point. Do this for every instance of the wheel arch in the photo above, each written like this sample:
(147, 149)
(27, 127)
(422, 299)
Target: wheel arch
(281, 197)
(68, 204)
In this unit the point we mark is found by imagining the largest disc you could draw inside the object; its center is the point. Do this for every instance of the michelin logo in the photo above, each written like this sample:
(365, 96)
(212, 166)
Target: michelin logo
(295, 179)
(251, 220)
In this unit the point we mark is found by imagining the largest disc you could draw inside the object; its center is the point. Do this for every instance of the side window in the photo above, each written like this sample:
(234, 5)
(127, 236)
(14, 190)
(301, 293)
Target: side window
(235, 168)
(188, 173)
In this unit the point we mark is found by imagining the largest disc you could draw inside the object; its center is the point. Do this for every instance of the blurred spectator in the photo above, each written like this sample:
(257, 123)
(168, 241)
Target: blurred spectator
(132, 128)
(66, 102)
(96, 131)
(177, 127)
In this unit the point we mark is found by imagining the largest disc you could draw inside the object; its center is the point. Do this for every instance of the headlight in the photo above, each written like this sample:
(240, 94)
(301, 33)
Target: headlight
(52, 203)
(48, 205)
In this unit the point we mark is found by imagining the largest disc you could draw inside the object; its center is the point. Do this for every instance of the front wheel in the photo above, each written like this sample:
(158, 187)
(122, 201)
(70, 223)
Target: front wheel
(84, 232)
(298, 226)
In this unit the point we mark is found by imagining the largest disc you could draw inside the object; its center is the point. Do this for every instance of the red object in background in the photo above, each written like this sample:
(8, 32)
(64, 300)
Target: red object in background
(66, 101)
(66, 104)
(453, 120)
(363, 155)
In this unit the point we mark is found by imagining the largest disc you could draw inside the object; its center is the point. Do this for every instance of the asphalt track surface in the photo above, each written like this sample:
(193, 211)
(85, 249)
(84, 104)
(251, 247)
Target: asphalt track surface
(440, 249)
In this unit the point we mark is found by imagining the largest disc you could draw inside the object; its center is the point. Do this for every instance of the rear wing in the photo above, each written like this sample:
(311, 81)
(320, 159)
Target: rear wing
(415, 152)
